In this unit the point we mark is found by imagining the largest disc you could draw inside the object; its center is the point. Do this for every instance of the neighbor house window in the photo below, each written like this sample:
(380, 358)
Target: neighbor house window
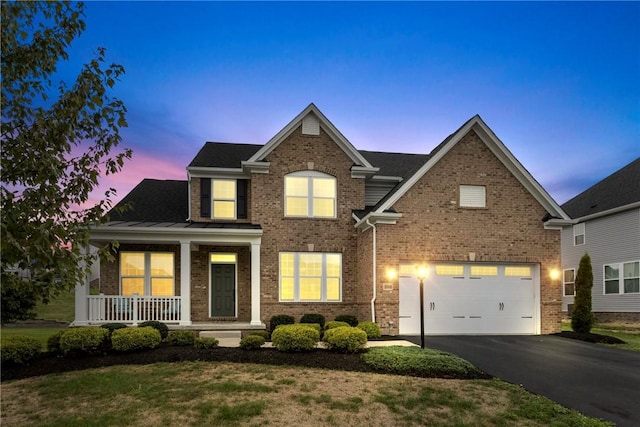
(310, 276)
(223, 198)
(569, 282)
(473, 196)
(310, 194)
(147, 273)
(622, 278)
(578, 234)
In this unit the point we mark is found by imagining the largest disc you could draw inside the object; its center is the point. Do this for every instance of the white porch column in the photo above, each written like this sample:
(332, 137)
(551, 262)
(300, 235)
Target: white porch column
(255, 283)
(185, 282)
(81, 300)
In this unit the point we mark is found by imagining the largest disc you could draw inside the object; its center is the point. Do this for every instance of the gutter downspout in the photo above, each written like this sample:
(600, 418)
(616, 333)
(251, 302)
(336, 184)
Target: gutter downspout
(373, 300)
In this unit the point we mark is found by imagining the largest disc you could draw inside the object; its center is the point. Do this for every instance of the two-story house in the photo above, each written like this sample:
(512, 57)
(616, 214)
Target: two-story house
(306, 223)
(606, 225)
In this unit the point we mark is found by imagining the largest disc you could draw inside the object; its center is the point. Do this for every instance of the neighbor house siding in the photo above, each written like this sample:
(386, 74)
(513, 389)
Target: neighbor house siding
(434, 228)
(609, 239)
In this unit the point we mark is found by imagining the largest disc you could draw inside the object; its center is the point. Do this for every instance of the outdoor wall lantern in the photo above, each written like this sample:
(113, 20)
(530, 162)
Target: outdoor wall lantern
(554, 274)
(421, 272)
(392, 274)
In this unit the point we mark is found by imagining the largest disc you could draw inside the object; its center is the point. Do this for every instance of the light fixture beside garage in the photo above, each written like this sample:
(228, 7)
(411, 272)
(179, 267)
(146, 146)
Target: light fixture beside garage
(421, 272)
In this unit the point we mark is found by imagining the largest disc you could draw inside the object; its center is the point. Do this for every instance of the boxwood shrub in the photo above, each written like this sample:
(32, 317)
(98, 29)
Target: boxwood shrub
(252, 342)
(372, 329)
(350, 319)
(135, 339)
(313, 318)
(298, 337)
(84, 341)
(181, 338)
(19, 349)
(260, 333)
(53, 342)
(159, 326)
(113, 326)
(334, 324)
(280, 319)
(205, 343)
(345, 339)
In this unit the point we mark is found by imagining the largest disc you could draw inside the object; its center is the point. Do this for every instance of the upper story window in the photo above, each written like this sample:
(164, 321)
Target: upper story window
(224, 199)
(310, 194)
(622, 278)
(147, 273)
(473, 196)
(569, 282)
(578, 234)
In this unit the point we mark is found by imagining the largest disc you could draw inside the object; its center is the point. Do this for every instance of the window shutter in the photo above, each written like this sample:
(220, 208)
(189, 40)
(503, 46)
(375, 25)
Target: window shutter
(205, 197)
(241, 194)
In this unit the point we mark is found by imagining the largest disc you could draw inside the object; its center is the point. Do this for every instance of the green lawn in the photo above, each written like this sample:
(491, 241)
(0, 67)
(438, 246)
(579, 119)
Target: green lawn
(60, 309)
(629, 334)
(41, 334)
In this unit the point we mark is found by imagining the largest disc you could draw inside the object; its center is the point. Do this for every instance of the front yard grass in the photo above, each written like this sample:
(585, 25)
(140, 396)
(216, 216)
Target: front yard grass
(228, 394)
(41, 334)
(627, 333)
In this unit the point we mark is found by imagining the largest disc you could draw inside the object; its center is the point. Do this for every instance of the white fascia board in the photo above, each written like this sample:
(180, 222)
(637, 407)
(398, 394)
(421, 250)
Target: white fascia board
(328, 127)
(386, 178)
(374, 218)
(176, 235)
(205, 172)
(635, 205)
(363, 172)
(256, 167)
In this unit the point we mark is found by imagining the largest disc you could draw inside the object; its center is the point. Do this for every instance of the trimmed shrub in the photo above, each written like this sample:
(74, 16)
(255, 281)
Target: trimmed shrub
(84, 341)
(135, 339)
(280, 319)
(252, 342)
(334, 324)
(314, 326)
(313, 318)
(263, 334)
(372, 329)
(53, 343)
(298, 337)
(159, 326)
(113, 326)
(205, 343)
(582, 318)
(181, 338)
(19, 349)
(348, 318)
(345, 339)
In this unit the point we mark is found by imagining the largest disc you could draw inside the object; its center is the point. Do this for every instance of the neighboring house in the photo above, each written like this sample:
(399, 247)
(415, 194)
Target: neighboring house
(306, 223)
(606, 225)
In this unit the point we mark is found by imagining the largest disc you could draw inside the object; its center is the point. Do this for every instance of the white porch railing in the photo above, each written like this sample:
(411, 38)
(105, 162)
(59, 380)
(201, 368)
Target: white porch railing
(133, 309)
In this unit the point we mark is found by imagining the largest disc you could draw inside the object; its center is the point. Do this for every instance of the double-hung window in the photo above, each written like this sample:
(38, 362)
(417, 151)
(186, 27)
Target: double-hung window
(223, 198)
(147, 273)
(569, 282)
(578, 234)
(310, 276)
(310, 194)
(622, 278)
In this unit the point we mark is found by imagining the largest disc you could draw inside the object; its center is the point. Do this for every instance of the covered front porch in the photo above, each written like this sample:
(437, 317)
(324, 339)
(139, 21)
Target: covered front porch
(121, 299)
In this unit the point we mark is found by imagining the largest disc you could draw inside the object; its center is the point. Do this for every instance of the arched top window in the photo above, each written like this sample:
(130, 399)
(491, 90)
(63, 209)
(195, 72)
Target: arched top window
(310, 194)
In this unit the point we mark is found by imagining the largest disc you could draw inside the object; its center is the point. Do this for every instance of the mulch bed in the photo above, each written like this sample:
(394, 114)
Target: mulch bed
(589, 337)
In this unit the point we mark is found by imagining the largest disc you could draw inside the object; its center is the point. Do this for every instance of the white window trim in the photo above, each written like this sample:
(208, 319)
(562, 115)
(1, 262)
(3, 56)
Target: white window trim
(310, 175)
(147, 271)
(565, 283)
(296, 277)
(620, 278)
(234, 200)
(472, 196)
(579, 230)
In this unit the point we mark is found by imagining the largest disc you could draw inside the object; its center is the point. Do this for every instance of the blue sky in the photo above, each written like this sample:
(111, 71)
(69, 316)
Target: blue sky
(559, 83)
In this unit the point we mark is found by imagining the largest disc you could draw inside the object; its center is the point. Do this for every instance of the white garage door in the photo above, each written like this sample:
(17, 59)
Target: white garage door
(471, 298)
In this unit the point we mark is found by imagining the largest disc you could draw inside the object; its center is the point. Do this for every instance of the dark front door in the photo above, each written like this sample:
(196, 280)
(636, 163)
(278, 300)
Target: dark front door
(223, 290)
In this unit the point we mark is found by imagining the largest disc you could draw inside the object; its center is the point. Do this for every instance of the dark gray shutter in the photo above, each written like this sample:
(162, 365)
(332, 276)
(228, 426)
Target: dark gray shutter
(241, 194)
(205, 197)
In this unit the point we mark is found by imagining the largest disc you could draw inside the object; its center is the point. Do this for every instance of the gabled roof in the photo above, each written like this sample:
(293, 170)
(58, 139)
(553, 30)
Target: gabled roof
(223, 155)
(619, 189)
(147, 197)
(325, 124)
(499, 150)
(394, 164)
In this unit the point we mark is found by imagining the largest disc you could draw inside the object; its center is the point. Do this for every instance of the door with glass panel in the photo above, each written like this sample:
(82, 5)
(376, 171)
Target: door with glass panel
(223, 285)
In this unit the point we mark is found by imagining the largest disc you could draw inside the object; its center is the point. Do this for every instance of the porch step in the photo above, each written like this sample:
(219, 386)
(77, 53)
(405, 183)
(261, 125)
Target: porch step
(225, 338)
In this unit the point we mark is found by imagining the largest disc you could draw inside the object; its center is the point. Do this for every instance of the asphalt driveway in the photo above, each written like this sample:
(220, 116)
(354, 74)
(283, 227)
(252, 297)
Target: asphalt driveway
(598, 381)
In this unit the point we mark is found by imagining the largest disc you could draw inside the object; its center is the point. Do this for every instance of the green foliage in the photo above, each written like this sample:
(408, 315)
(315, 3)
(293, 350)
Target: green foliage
(84, 341)
(582, 318)
(419, 362)
(334, 324)
(348, 318)
(260, 333)
(53, 343)
(314, 326)
(252, 342)
(205, 343)
(135, 339)
(345, 339)
(181, 337)
(280, 319)
(372, 329)
(298, 337)
(159, 326)
(57, 141)
(313, 318)
(112, 327)
(19, 349)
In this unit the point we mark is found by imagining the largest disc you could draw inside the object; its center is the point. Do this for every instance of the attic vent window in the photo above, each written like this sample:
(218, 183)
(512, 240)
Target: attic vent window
(310, 125)
(473, 196)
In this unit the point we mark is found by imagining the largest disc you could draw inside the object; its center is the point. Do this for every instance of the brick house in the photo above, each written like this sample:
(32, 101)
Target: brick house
(306, 223)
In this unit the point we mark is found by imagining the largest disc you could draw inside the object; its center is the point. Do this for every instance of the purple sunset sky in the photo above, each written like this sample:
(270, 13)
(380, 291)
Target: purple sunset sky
(559, 83)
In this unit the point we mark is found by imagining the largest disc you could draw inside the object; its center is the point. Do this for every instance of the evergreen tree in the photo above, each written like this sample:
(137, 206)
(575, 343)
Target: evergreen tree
(582, 318)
